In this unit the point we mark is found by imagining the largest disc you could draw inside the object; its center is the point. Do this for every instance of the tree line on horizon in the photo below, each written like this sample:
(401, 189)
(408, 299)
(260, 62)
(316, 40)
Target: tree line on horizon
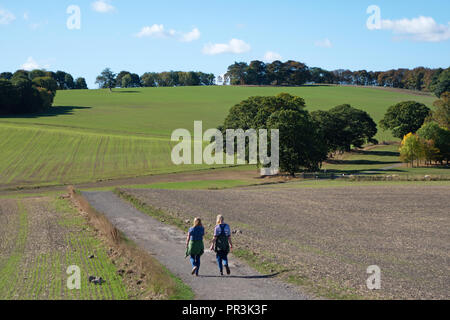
(294, 73)
(289, 73)
(64, 80)
(28, 92)
(125, 79)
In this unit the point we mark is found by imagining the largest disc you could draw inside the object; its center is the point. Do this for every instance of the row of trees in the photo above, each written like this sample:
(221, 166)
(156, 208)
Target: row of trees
(425, 132)
(306, 139)
(28, 92)
(290, 73)
(125, 79)
(296, 73)
(64, 80)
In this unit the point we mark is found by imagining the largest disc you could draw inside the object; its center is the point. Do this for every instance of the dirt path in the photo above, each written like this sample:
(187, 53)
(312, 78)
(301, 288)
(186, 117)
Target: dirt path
(166, 243)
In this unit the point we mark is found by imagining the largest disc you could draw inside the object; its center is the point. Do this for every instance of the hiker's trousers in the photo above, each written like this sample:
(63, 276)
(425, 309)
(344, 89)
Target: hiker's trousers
(222, 260)
(195, 261)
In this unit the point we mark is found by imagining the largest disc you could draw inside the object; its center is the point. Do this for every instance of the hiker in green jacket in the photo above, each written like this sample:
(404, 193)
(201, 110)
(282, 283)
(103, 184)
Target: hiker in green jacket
(194, 245)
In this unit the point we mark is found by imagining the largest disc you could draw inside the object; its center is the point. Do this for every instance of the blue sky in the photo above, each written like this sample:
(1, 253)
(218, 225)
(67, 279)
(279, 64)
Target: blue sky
(145, 35)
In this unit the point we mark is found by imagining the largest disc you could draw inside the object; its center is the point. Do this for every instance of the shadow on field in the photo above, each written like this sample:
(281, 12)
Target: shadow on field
(362, 171)
(53, 112)
(360, 162)
(127, 91)
(317, 85)
(378, 153)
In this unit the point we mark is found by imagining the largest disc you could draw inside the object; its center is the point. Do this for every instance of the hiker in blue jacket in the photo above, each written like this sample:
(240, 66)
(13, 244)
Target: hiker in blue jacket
(194, 245)
(222, 244)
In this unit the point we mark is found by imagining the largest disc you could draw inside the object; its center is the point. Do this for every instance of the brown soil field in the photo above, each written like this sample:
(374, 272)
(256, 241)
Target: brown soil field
(324, 239)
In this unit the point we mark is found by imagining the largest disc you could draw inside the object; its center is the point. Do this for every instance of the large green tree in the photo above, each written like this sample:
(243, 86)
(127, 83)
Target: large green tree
(405, 117)
(344, 126)
(301, 145)
(107, 79)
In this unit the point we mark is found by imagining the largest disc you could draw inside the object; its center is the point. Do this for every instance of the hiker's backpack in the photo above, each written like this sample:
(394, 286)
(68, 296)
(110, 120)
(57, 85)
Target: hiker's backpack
(222, 244)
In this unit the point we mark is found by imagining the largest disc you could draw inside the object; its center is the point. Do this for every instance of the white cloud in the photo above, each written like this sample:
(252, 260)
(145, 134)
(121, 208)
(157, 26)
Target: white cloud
(31, 64)
(325, 43)
(158, 31)
(235, 46)
(102, 6)
(6, 17)
(418, 29)
(26, 16)
(272, 56)
(191, 36)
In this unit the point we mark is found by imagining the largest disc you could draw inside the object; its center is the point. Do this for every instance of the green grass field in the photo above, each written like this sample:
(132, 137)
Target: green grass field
(158, 111)
(36, 155)
(34, 267)
(93, 135)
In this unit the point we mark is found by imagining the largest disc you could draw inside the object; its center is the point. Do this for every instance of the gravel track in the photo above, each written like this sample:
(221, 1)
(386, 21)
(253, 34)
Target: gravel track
(166, 243)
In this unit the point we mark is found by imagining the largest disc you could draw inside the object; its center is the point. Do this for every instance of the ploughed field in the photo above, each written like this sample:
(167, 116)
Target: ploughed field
(324, 239)
(39, 239)
(93, 135)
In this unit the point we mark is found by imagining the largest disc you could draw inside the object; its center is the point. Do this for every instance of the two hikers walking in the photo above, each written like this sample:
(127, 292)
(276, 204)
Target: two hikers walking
(221, 244)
